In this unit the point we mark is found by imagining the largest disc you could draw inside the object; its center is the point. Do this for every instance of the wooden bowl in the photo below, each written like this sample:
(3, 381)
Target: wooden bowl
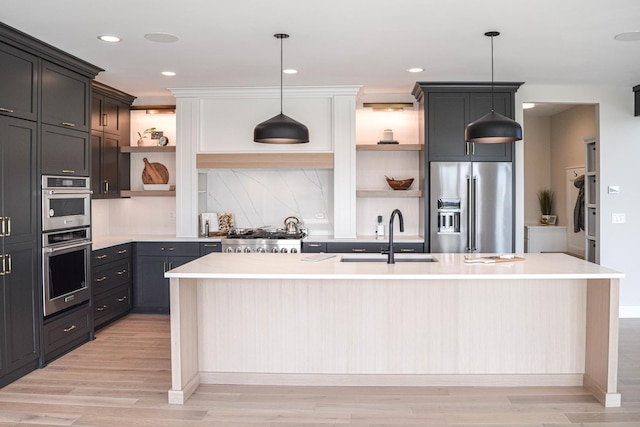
(399, 184)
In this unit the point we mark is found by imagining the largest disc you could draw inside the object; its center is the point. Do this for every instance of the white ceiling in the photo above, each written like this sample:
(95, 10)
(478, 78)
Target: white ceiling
(335, 42)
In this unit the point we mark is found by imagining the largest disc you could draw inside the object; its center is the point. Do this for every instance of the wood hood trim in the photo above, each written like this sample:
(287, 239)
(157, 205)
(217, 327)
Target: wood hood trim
(264, 160)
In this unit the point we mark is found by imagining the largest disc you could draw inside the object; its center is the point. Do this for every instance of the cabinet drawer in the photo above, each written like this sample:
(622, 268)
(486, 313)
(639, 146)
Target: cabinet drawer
(112, 304)
(168, 249)
(207, 248)
(113, 253)
(314, 247)
(369, 247)
(66, 331)
(111, 275)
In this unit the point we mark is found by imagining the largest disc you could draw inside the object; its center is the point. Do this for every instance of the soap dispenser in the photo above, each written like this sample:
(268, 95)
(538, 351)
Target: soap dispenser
(380, 227)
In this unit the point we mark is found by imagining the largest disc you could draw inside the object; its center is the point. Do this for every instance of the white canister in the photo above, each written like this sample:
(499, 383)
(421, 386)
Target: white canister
(387, 135)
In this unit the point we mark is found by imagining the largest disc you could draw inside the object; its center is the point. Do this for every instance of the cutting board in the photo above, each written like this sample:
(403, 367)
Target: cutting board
(154, 173)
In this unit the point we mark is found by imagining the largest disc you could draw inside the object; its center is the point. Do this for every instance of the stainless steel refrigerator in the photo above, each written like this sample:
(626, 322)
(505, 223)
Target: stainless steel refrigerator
(471, 207)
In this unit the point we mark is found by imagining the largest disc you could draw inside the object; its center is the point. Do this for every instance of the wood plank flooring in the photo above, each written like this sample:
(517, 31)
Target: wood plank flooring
(121, 379)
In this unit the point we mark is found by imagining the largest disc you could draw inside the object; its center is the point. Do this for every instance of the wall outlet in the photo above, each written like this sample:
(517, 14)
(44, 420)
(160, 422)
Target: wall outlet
(172, 216)
(618, 218)
(320, 215)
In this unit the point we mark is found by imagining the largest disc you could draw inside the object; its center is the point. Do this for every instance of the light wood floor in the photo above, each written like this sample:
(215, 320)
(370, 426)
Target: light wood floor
(121, 379)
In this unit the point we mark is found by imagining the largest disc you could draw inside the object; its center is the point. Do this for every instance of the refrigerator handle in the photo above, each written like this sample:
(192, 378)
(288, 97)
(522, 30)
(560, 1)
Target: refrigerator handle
(469, 216)
(475, 213)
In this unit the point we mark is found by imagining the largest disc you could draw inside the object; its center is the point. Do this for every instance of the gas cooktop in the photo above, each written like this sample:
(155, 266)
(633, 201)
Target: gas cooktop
(260, 233)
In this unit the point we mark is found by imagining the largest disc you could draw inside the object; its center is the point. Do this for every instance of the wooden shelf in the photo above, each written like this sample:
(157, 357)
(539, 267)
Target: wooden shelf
(300, 160)
(389, 193)
(389, 147)
(148, 193)
(149, 149)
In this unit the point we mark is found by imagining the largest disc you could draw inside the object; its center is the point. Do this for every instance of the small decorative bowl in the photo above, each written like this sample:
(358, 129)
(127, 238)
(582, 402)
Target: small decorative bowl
(399, 184)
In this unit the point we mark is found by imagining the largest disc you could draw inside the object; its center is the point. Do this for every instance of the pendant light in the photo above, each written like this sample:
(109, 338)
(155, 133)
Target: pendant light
(281, 129)
(493, 127)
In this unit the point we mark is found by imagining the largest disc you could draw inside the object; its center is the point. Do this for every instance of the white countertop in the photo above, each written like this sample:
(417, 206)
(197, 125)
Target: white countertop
(101, 242)
(449, 266)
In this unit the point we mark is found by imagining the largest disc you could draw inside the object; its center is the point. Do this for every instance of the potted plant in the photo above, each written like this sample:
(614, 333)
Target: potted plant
(545, 197)
(143, 135)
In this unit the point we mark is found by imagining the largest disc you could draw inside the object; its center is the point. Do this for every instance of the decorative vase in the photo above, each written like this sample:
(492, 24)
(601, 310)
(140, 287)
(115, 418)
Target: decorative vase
(544, 219)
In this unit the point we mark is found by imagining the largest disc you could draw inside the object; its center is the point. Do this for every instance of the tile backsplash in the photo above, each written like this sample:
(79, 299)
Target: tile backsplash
(265, 197)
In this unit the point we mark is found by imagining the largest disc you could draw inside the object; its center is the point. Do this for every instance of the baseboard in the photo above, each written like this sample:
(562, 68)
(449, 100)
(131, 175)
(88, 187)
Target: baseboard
(629, 312)
(508, 380)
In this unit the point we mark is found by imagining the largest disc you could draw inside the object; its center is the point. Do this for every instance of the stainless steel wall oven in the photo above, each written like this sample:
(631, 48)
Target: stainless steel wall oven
(66, 202)
(66, 256)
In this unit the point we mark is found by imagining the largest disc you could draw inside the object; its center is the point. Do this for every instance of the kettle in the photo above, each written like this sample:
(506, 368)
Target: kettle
(292, 225)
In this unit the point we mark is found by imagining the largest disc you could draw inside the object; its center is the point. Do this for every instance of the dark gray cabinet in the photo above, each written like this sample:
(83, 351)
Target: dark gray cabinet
(110, 130)
(19, 249)
(111, 283)
(65, 151)
(314, 247)
(210, 247)
(18, 83)
(450, 107)
(152, 260)
(65, 97)
(370, 247)
(65, 332)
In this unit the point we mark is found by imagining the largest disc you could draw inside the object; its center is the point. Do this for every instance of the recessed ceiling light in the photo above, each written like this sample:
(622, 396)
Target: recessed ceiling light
(289, 71)
(168, 73)
(109, 39)
(415, 70)
(161, 37)
(528, 105)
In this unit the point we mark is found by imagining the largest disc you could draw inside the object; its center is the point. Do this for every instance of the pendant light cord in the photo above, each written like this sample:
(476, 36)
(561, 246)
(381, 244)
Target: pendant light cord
(281, 65)
(492, 95)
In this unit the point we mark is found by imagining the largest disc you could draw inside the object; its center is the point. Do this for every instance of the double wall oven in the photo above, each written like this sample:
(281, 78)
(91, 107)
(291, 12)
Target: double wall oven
(66, 242)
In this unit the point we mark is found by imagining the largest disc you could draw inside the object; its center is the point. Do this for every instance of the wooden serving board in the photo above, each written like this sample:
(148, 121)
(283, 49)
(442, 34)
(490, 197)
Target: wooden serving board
(154, 173)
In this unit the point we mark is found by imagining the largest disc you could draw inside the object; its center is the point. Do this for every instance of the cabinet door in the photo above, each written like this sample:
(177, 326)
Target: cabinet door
(20, 306)
(480, 104)
(65, 151)
(18, 83)
(446, 121)
(96, 111)
(207, 248)
(104, 165)
(65, 97)
(18, 179)
(150, 288)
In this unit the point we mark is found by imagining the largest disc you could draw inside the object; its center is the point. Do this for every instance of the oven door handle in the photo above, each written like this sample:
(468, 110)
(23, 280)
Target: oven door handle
(54, 192)
(50, 250)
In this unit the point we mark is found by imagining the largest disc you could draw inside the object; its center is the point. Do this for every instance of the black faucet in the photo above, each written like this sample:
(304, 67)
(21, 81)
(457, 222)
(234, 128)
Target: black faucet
(390, 253)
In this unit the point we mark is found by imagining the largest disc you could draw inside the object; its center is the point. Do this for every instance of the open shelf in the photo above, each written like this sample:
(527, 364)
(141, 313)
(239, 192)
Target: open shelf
(389, 193)
(149, 149)
(390, 147)
(299, 160)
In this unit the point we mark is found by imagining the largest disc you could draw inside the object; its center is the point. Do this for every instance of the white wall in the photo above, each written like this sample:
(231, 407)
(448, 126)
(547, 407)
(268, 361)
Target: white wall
(537, 165)
(619, 136)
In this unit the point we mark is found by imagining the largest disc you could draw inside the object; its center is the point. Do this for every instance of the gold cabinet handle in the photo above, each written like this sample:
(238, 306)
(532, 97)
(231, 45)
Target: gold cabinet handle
(407, 250)
(122, 251)
(210, 245)
(70, 328)
(122, 299)
(358, 250)
(67, 171)
(101, 308)
(6, 110)
(314, 245)
(121, 272)
(102, 256)
(8, 226)
(106, 186)
(71, 125)
(3, 230)
(101, 279)
(167, 249)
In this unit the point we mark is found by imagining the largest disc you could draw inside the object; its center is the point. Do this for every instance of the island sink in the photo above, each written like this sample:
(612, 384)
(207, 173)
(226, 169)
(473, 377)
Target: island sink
(383, 258)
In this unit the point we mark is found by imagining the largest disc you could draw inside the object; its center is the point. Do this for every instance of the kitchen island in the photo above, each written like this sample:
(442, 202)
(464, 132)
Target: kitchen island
(547, 320)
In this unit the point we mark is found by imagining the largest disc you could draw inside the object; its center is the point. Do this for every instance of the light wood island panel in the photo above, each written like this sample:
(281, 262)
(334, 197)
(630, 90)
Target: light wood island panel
(274, 319)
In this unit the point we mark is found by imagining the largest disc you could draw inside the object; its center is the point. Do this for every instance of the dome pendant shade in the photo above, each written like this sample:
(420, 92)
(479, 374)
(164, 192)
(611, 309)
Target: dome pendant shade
(281, 129)
(493, 128)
